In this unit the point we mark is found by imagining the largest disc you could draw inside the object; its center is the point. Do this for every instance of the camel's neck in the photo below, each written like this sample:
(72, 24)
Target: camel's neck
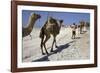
(59, 24)
(31, 22)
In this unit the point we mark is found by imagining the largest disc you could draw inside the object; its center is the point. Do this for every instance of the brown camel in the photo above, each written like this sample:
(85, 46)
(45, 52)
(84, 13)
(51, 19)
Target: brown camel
(81, 26)
(51, 27)
(32, 19)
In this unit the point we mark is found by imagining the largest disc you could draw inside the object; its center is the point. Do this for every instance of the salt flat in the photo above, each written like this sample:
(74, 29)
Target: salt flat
(68, 48)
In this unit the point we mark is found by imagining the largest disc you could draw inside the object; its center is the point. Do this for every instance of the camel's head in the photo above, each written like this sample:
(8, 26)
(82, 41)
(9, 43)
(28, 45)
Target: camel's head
(82, 22)
(36, 16)
(61, 21)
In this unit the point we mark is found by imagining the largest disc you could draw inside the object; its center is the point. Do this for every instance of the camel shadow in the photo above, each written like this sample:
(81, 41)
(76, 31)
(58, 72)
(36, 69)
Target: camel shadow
(62, 47)
(44, 58)
(59, 49)
(83, 32)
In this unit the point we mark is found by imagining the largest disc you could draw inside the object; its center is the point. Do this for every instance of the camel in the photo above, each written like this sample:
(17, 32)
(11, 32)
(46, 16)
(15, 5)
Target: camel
(51, 27)
(87, 25)
(32, 19)
(81, 26)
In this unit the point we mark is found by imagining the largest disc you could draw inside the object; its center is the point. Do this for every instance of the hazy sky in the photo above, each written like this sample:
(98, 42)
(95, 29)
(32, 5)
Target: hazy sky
(67, 17)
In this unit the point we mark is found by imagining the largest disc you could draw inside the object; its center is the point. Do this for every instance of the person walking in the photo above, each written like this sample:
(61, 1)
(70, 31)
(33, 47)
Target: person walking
(73, 30)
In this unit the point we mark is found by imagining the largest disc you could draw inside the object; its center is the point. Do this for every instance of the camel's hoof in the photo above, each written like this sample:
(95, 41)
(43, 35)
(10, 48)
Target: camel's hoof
(43, 53)
(52, 51)
(56, 46)
(47, 53)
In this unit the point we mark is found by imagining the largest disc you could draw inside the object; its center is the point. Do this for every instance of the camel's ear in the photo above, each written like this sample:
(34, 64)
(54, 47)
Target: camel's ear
(61, 21)
(32, 14)
(49, 19)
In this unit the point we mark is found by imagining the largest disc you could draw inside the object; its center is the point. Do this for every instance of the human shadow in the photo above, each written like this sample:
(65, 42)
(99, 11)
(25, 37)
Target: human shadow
(59, 49)
(77, 37)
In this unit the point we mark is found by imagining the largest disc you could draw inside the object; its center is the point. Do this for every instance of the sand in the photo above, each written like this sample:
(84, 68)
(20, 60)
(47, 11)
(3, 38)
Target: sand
(68, 48)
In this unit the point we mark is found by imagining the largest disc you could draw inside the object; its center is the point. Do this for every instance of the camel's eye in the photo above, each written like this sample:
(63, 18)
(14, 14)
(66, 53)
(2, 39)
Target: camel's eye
(52, 21)
(61, 21)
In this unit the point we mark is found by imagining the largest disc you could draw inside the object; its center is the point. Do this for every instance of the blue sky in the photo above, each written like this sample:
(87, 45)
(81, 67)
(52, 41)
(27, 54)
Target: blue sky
(67, 17)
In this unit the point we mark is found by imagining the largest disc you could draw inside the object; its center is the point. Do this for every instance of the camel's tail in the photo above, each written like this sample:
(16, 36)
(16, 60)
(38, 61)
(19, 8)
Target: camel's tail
(41, 33)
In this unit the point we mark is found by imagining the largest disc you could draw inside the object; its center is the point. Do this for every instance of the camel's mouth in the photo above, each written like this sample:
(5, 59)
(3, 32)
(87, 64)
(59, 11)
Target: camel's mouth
(39, 16)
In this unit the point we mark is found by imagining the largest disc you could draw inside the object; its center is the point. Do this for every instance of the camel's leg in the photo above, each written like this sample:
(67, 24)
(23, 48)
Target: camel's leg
(31, 36)
(42, 46)
(52, 46)
(54, 41)
(46, 39)
(81, 30)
